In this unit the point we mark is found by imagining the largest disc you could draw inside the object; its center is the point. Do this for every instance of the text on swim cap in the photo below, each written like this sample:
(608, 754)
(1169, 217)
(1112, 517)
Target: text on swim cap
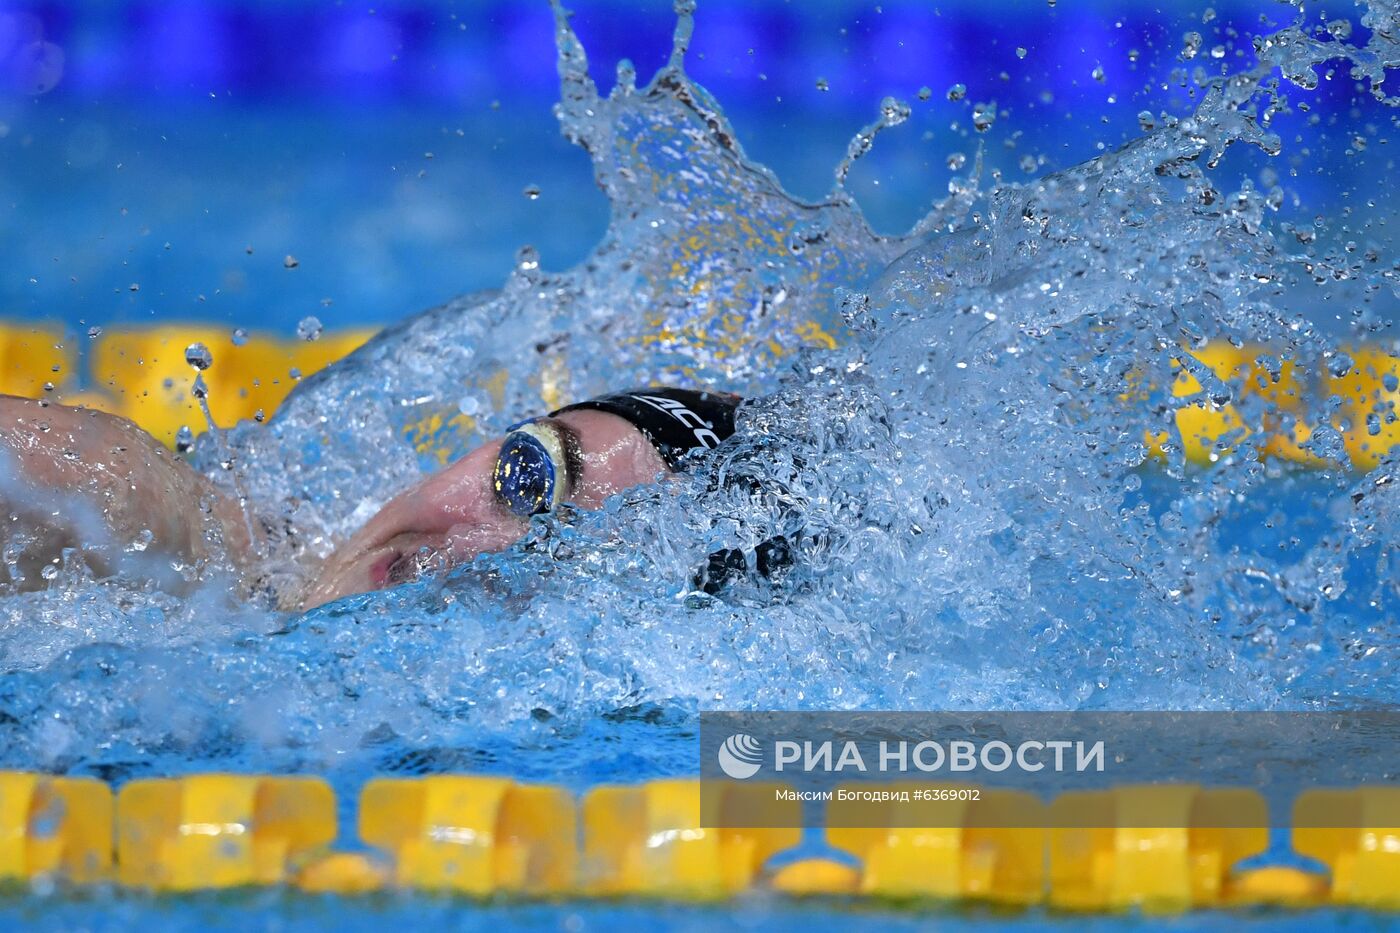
(698, 426)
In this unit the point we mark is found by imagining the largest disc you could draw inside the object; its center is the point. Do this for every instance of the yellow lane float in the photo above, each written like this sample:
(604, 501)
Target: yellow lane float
(1364, 862)
(220, 830)
(141, 373)
(1364, 380)
(33, 359)
(989, 848)
(650, 839)
(477, 835)
(1158, 847)
(54, 826)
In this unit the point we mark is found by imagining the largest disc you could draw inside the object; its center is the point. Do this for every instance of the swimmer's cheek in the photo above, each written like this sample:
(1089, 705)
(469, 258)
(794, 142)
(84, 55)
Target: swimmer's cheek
(406, 557)
(465, 542)
(346, 577)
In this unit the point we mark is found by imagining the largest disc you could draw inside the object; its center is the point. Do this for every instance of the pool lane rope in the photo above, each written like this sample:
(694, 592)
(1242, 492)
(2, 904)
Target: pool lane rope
(485, 836)
(142, 374)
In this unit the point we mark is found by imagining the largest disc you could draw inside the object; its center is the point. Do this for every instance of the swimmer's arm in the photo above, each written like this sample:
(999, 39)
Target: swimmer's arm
(82, 479)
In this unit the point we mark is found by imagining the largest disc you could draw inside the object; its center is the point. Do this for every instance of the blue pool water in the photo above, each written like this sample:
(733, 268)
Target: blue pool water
(292, 911)
(985, 528)
(216, 151)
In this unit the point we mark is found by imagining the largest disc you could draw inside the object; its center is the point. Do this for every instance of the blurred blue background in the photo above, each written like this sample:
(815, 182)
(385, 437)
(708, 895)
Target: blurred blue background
(161, 160)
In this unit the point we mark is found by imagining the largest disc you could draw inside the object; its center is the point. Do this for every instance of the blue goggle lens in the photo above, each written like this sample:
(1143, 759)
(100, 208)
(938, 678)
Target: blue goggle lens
(524, 477)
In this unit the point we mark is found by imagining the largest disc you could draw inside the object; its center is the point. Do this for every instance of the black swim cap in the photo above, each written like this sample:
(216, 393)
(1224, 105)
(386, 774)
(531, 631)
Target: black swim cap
(676, 421)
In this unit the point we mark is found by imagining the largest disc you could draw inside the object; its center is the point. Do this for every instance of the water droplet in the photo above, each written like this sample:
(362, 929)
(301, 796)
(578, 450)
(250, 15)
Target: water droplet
(240, 337)
(259, 416)
(1097, 74)
(49, 572)
(134, 286)
(1028, 164)
(532, 192)
(198, 356)
(1191, 46)
(184, 438)
(1020, 51)
(925, 92)
(893, 112)
(1339, 29)
(957, 92)
(626, 74)
(956, 160)
(822, 85)
(309, 328)
(1147, 121)
(94, 332)
(290, 262)
(983, 116)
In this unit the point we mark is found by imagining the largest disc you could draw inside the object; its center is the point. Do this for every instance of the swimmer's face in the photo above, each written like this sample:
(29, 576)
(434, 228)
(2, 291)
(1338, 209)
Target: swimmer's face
(484, 500)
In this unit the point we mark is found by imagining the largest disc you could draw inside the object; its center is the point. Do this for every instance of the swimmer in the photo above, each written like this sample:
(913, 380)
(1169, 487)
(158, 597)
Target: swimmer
(96, 484)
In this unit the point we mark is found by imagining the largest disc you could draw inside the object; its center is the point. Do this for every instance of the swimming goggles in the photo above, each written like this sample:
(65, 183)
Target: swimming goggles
(532, 473)
(539, 459)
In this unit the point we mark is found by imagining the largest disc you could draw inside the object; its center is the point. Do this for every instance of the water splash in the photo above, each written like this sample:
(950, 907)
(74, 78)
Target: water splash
(948, 425)
(892, 113)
